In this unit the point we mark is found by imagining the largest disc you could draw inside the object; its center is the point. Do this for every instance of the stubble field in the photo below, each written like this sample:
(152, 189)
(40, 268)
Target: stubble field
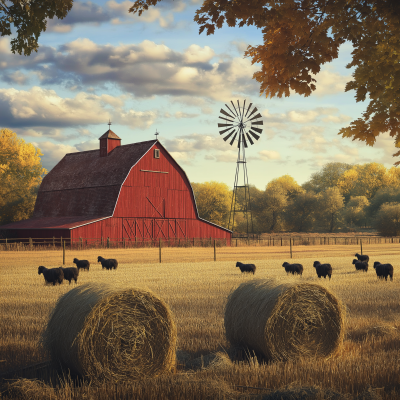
(196, 289)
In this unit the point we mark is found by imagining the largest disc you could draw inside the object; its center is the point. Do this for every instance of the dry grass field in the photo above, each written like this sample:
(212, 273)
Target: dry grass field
(196, 289)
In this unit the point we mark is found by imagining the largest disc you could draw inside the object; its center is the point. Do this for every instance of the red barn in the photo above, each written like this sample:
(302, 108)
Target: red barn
(136, 191)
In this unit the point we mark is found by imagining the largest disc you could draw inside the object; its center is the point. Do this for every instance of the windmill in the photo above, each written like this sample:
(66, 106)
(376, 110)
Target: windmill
(243, 125)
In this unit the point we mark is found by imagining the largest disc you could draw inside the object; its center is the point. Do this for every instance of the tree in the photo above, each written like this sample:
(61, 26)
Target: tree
(330, 204)
(213, 200)
(327, 177)
(387, 221)
(301, 35)
(363, 180)
(300, 212)
(269, 210)
(288, 186)
(21, 173)
(29, 18)
(355, 211)
(383, 195)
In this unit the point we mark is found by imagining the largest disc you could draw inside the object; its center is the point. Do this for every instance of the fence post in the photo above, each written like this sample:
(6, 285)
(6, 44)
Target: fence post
(63, 247)
(159, 246)
(193, 242)
(361, 245)
(30, 243)
(108, 242)
(281, 242)
(290, 241)
(123, 241)
(215, 252)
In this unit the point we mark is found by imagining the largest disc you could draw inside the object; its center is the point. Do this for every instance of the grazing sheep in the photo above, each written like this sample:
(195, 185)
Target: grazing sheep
(82, 264)
(361, 265)
(383, 270)
(71, 273)
(293, 268)
(246, 267)
(323, 269)
(362, 258)
(51, 275)
(108, 263)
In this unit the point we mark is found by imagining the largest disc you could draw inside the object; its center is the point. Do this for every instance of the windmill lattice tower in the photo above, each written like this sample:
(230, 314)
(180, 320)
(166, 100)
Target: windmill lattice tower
(241, 123)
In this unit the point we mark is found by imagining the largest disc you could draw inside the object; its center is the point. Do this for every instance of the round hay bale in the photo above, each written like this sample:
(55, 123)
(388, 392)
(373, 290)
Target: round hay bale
(285, 320)
(104, 333)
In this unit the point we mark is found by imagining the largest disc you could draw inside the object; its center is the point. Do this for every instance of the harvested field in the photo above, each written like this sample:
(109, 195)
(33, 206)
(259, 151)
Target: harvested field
(196, 289)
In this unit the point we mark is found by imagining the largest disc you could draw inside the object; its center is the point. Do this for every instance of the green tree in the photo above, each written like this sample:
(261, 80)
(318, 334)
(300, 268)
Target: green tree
(29, 19)
(301, 35)
(387, 221)
(21, 173)
(327, 177)
(330, 204)
(300, 212)
(287, 185)
(355, 211)
(213, 200)
(384, 195)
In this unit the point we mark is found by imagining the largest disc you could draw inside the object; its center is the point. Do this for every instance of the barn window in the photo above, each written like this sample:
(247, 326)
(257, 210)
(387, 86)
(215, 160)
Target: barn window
(156, 153)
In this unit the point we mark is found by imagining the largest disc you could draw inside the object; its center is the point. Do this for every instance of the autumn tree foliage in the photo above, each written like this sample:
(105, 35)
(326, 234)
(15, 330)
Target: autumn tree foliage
(387, 220)
(301, 35)
(21, 173)
(213, 200)
(29, 20)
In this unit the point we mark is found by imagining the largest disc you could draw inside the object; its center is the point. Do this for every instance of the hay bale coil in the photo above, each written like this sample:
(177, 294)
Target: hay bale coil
(109, 334)
(283, 321)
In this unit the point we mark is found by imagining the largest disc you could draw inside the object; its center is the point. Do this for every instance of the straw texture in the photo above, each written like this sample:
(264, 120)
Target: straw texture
(107, 334)
(285, 321)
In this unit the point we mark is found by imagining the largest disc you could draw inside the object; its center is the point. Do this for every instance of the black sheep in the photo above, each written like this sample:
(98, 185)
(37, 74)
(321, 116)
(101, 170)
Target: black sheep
(82, 264)
(108, 263)
(383, 270)
(361, 265)
(323, 269)
(246, 267)
(362, 258)
(70, 273)
(51, 275)
(293, 268)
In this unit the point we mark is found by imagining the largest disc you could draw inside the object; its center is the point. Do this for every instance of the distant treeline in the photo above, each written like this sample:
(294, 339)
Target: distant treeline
(340, 196)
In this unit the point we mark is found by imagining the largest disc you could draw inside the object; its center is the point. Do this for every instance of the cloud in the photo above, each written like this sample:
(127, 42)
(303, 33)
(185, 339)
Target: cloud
(330, 82)
(267, 155)
(53, 153)
(143, 69)
(44, 108)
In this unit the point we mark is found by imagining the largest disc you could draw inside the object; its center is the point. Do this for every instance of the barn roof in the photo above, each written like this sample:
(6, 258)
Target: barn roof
(110, 135)
(94, 182)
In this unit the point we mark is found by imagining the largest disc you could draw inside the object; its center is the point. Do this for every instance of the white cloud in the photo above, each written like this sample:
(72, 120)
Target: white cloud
(196, 54)
(330, 82)
(53, 153)
(269, 155)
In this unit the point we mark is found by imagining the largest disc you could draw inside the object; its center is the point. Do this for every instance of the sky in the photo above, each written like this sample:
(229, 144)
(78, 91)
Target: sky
(156, 73)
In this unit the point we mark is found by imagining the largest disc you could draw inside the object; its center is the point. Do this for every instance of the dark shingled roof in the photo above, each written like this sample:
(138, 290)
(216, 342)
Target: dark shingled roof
(110, 135)
(85, 184)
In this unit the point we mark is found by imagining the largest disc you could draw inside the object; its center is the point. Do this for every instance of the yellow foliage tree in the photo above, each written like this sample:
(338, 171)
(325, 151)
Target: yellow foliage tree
(213, 200)
(301, 35)
(287, 185)
(364, 180)
(20, 175)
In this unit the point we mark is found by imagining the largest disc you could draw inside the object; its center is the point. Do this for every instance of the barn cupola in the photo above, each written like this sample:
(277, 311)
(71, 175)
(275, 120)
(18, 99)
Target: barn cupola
(108, 142)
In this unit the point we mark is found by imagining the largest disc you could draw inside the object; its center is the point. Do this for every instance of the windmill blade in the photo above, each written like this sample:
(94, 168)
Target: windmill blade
(244, 141)
(257, 123)
(225, 130)
(235, 109)
(257, 116)
(225, 113)
(255, 136)
(257, 130)
(249, 138)
(229, 135)
(244, 106)
(224, 125)
(229, 109)
(240, 114)
(226, 119)
(255, 109)
(248, 109)
(231, 142)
